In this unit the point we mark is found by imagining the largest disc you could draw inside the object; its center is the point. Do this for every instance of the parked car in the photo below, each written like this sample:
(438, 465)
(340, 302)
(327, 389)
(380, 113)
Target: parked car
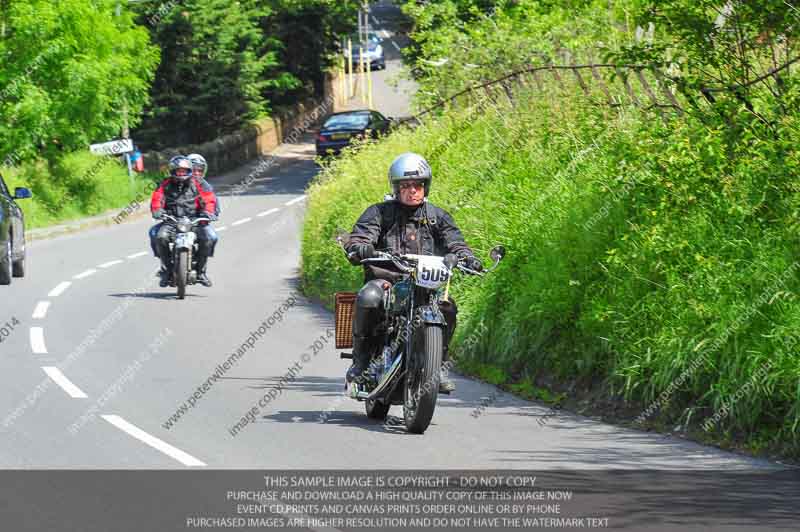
(374, 54)
(339, 128)
(12, 233)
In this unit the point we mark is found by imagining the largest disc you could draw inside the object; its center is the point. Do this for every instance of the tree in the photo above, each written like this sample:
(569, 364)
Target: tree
(68, 70)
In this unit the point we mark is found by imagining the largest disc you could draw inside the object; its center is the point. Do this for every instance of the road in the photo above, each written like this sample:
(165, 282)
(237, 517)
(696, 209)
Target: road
(95, 373)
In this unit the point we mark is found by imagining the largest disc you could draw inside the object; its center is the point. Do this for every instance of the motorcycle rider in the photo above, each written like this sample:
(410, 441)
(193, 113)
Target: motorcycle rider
(407, 223)
(181, 194)
(199, 170)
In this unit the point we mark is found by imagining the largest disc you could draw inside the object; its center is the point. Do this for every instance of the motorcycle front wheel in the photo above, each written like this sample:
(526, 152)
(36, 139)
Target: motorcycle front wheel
(422, 382)
(181, 270)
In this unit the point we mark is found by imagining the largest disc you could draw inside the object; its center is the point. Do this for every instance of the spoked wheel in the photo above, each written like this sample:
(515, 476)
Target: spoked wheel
(377, 409)
(422, 382)
(5, 263)
(180, 275)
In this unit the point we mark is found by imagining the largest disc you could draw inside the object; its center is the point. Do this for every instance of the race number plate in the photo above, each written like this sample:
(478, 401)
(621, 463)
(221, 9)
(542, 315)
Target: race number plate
(184, 240)
(431, 271)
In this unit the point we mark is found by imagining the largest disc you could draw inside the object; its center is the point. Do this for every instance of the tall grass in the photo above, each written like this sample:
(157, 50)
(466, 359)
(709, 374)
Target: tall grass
(79, 185)
(658, 257)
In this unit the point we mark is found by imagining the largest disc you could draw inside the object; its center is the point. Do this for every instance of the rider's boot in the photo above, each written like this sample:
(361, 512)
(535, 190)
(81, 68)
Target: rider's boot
(202, 276)
(165, 273)
(362, 354)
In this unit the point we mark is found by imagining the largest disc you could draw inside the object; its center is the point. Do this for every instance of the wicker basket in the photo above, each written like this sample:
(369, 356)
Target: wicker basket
(345, 306)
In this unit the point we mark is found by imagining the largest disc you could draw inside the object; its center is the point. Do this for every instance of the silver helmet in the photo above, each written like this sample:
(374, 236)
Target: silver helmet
(410, 166)
(198, 161)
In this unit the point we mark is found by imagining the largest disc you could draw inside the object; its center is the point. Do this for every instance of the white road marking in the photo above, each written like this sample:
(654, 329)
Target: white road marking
(37, 341)
(223, 228)
(41, 310)
(385, 34)
(267, 212)
(66, 385)
(110, 263)
(58, 290)
(377, 22)
(296, 200)
(137, 255)
(242, 221)
(85, 274)
(395, 45)
(152, 441)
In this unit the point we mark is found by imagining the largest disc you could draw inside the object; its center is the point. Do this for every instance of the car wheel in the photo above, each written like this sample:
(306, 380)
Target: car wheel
(5, 264)
(18, 267)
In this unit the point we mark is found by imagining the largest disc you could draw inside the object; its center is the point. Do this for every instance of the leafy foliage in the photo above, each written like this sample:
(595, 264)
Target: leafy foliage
(68, 70)
(227, 63)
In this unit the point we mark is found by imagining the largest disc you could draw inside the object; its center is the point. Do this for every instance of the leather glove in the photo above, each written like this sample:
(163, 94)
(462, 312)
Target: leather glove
(364, 251)
(158, 214)
(473, 263)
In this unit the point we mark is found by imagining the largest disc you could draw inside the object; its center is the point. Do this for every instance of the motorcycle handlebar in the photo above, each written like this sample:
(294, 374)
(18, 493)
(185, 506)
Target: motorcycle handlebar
(193, 221)
(401, 262)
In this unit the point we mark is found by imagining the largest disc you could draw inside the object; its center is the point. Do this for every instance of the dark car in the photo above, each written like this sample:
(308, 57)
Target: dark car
(339, 128)
(12, 233)
(374, 53)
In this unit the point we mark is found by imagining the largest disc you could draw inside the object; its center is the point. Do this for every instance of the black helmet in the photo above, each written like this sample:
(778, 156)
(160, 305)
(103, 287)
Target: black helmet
(180, 162)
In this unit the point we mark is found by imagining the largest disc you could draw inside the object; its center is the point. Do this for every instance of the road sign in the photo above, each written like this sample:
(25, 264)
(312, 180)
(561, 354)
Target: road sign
(114, 147)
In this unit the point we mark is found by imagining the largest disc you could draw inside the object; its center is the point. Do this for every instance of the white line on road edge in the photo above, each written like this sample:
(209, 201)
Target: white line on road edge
(66, 385)
(110, 263)
(152, 441)
(137, 255)
(37, 341)
(41, 310)
(223, 228)
(85, 274)
(265, 213)
(58, 290)
(242, 221)
(395, 45)
(296, 200)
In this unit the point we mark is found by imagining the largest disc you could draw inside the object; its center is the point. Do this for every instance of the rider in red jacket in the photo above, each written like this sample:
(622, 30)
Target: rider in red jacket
(183, 195)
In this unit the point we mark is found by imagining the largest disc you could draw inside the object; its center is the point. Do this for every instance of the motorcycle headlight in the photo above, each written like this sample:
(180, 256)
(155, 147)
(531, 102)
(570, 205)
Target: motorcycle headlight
(183, 227)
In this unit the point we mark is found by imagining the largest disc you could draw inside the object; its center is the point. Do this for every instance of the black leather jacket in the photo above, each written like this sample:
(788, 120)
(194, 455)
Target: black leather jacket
(423, 230)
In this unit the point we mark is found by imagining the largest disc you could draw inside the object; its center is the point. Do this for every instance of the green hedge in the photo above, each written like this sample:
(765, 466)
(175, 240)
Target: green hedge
(79, 185)
(656, 257)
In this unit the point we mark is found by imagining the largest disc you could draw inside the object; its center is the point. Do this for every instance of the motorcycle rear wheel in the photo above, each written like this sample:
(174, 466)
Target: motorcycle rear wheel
(422, 385)
(182, 268)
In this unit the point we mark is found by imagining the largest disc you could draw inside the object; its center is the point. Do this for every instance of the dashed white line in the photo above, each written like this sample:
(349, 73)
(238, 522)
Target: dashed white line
(41, 310)
(395, 45)
(152, 441)
(136, 255)
(66, 385)
(110, 263)
(85, 274)
(223, 228)
(58, 290)
(37, 341)
(242, 221)
(265, 213)
(296, 200)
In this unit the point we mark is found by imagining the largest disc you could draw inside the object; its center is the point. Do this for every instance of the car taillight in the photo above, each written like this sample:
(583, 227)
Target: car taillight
(322, 138)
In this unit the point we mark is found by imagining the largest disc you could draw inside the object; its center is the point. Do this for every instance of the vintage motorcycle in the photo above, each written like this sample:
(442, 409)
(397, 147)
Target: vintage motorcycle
(184, 249)
(406, 370)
